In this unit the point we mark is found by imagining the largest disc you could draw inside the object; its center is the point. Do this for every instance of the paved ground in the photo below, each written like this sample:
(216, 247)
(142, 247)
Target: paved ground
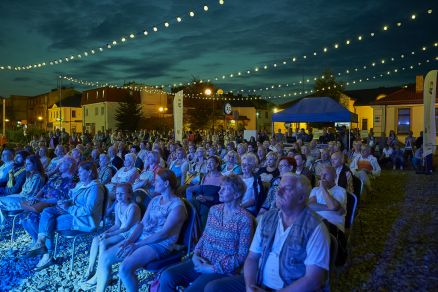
(397, 250)
(399, 246)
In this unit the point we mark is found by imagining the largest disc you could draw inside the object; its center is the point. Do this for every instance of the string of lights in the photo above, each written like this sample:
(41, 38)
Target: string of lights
(298, 93)
(112, 44)
(391, 26)
(355, 81)
(370, 65)
(158, 89)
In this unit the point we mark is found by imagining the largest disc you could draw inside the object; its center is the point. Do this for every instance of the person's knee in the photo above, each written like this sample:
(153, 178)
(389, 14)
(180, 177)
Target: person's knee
(214, 286)
(103, 244)
(166, 278)
(125, 270)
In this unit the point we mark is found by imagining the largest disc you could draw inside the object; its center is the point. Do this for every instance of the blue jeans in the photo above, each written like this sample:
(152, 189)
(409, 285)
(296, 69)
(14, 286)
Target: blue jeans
(184, 274)
(53, 218)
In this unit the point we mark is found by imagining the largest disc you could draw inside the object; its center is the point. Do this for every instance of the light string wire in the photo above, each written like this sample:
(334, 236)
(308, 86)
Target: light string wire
(370, 65)
(112, 44)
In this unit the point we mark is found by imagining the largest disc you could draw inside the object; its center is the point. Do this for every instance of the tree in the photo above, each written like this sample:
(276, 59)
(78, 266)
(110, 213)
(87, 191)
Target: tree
(128, 114)
(199, 112)
(328, 86)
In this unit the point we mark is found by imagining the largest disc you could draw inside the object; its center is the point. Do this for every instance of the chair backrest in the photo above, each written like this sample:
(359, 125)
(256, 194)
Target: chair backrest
(142, 198)
(357, 186)
(105, 201)
(351, 209)
(333, 251)
(186, 234)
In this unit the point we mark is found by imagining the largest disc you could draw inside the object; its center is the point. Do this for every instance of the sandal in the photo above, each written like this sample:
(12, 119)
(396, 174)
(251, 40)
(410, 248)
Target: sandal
(88, 276)
(44, 263)
(38, 249)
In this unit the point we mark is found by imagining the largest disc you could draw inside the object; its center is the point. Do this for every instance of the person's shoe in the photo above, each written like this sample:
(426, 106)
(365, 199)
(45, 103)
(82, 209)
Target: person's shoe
(89, 284)
(45, 262)
(88, 276)
(37, 249)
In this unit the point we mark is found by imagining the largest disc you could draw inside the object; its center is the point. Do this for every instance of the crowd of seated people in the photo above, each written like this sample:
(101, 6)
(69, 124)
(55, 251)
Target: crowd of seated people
(254, 200)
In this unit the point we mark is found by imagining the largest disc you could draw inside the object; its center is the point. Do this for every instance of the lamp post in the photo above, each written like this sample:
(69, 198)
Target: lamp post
(162, 110)
(208, 92)
(40, 119)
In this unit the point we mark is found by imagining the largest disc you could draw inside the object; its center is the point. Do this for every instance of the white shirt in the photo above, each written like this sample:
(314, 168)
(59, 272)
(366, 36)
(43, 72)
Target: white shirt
(317, 249)
(387, 152)
(340, 195)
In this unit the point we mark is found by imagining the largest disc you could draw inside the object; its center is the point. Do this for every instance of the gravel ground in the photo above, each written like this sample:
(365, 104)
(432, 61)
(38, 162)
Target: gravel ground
(396, 250)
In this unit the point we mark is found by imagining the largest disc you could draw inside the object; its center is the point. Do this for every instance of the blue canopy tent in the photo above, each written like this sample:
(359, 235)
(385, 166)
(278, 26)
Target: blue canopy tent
(315, 109)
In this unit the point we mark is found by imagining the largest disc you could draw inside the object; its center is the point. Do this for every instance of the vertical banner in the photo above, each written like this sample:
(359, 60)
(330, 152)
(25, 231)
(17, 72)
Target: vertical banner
(429, 95)
(178, 115)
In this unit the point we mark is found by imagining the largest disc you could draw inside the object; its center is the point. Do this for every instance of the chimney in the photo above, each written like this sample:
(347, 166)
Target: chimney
(419, 83)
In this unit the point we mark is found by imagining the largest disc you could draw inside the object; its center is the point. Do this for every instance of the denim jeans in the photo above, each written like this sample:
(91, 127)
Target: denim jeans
(53, 218)
(184, 274)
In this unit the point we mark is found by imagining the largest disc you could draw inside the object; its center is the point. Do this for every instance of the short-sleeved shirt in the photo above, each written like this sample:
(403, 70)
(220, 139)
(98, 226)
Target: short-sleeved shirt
(333, 217)
(317, 249)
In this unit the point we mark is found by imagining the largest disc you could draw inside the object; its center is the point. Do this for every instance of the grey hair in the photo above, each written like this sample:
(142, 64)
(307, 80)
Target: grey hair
(251, 158)
(132, 155)
(300, 182)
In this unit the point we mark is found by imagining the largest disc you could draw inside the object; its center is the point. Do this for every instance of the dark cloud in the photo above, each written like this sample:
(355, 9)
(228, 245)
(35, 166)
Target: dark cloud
(239, 36)
(22, 79)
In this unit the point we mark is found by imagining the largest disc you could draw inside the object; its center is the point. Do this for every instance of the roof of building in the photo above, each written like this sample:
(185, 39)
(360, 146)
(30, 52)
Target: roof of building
(71, 101)
(368, 96)
(407, 95)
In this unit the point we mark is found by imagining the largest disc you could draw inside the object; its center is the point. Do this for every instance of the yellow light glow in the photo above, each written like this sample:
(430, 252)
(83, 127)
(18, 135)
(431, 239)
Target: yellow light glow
(40, 118)
(6, 120)
(207, 91)
(160, 109)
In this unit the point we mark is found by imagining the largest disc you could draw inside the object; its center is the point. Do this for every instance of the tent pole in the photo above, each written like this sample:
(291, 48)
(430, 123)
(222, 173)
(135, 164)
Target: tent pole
(272, 130)
(349, 137)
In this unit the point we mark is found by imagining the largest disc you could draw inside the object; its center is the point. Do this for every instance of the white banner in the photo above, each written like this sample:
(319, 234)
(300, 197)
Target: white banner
(178, 115)
(429, 133)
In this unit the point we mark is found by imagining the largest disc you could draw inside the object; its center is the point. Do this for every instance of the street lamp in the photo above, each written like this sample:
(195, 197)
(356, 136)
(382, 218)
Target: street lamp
(209, 92)
(40, 118)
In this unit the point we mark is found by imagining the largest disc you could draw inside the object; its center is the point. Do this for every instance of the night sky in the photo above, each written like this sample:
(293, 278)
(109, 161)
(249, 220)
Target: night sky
(235, 37)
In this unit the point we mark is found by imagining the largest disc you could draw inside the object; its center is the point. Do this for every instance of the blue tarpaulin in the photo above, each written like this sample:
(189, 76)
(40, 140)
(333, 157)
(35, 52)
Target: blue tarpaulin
(315, 109)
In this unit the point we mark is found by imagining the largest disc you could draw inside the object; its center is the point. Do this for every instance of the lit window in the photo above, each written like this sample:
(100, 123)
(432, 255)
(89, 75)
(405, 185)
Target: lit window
(404, 121)
(436, 119)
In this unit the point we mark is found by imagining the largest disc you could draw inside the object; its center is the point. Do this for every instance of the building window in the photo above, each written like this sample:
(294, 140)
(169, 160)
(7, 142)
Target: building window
(96, 111)
(103, 93)
(87, 96)
(73, 114)
(436, 119)
(102, 111)
(364, 124)
(404, 121)
(97, 94)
